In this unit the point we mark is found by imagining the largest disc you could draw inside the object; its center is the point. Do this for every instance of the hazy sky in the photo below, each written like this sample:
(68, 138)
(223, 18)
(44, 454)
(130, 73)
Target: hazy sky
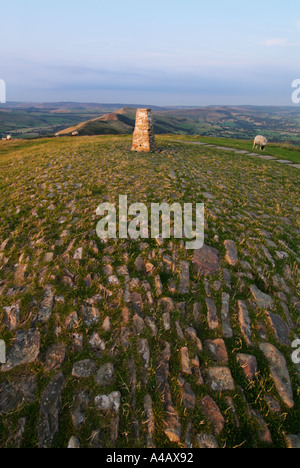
(161, 52)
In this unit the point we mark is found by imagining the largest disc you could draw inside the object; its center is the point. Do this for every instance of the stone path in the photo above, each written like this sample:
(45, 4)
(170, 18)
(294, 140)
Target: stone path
(246, 153)
(143, 343)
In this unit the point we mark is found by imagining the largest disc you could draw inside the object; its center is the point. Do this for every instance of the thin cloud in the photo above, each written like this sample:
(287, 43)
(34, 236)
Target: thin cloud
(280, 42)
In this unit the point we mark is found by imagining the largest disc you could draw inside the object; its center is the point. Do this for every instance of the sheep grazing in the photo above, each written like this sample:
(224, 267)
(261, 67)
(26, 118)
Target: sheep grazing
(260, 141)
(75, 134)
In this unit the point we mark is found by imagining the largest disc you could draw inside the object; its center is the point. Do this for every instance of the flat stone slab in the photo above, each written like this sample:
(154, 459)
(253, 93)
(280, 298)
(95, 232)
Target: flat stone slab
(297, 166)
(206, 261)
(283, 161)
(279, 373)
(280, 328)
(263, 301)
(220, 379)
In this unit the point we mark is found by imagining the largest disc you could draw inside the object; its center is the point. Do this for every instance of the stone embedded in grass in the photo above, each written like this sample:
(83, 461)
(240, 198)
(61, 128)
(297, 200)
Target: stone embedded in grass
(184, 286)
(80, 406)
(48, 423)
(11, 316)
(263, 301)
(84, 369)
(105, 376)
(245, 322)
(55, 356)
(206, 261)
(213, 414)
(111, 402)
(231, 253)
(280, 328)
(207, 441)
(218, 351)
(21, 390)
(248, 364)
(45, 310)
(25, 349)
(212, 315)
(220, 379)
(226, 327)
(78, 254)
(279, 373)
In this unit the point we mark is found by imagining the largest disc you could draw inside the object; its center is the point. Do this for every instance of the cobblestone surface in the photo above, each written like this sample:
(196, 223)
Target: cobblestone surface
(142, 343)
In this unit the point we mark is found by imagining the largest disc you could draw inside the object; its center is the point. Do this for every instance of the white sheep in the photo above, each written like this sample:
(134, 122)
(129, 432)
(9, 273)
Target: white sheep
(8, 137)
(75, 133)
(260, 141)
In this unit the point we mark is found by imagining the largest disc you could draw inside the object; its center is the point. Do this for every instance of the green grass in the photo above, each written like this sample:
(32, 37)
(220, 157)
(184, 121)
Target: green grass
(278, 150)
(255, 202)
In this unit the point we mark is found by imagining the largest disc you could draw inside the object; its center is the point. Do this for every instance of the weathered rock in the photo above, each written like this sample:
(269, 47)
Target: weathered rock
(248, 364)
(227, 330)
(188, 396)
(18, 436)
(206, 261)
(217, 349)
(279, 373)
(263, 301)
(143, 136)
(137, 302)
(48, 423)
(71, 320)
(105, 375)
(111, 402)
(11, 316)
(84, 369)
(184, 286)
(25, 349)
(292, 441)
(45, 310)
(220, 379)
(172, 426)
(280, 328)
(16, 392)
(213, 414)
(207, 441)
(90, 315)
(148, 407)
(74, 443)
(143, 349)
(231, 253)
(55, 356)
(245, 322)
(263, 431)
(80, 406)
(185, 361)
(212, 315)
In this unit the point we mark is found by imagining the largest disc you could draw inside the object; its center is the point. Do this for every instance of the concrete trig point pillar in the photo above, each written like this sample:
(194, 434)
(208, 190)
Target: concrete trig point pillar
(143, 136)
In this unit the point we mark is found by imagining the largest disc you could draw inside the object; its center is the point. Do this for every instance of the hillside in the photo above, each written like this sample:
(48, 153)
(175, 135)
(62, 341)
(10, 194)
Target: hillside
(279, 124)
(142, 343)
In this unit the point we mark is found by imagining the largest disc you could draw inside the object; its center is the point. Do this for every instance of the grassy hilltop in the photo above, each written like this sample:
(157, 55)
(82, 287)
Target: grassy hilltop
(143, 343)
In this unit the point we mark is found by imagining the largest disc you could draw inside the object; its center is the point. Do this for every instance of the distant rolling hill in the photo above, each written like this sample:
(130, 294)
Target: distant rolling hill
(278, 124)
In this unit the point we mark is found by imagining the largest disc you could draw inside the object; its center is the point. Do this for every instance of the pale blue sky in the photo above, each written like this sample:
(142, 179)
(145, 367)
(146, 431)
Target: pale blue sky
(163, 52)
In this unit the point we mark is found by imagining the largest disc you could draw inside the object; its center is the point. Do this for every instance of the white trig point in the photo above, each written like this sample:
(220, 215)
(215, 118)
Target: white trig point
(2, 352)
